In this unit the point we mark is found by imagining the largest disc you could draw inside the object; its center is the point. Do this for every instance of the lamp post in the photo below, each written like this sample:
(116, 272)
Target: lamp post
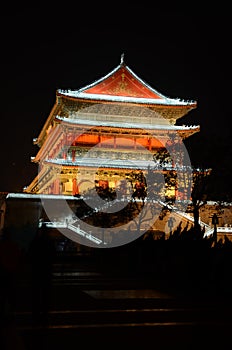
(171, 224)
(215, 223)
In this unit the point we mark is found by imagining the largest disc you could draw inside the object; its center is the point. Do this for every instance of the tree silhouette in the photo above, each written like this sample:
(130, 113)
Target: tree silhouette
(199, 194)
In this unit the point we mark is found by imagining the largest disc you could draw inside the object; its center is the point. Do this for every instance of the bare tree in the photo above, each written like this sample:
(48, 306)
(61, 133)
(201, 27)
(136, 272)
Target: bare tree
(199, 194)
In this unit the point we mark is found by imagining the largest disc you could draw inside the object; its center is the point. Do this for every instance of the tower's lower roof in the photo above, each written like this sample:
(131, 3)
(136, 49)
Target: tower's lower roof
(123, 124)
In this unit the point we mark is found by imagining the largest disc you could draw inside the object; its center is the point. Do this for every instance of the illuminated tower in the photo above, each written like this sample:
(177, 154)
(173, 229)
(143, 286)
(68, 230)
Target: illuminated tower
(101, 133)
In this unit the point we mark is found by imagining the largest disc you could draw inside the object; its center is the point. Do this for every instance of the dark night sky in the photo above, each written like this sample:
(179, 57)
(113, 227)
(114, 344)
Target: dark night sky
(180, 53)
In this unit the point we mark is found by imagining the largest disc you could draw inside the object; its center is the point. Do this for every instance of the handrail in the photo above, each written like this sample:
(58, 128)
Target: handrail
(73, 228)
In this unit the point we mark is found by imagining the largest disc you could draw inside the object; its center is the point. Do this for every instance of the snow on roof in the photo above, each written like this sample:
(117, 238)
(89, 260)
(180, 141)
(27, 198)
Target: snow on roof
(104, 163)
(102, 97)
(127, 125)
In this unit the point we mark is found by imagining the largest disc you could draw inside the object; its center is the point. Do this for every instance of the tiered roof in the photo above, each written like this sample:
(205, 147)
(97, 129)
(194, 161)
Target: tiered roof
(118, 98)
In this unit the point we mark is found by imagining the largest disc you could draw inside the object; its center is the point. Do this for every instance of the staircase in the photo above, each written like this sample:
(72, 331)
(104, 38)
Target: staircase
(94, 307)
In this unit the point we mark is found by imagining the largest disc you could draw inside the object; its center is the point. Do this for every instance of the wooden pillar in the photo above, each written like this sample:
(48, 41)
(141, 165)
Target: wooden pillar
(135, 146)
(99, 141)
(57, 186)
(73, 155)
(149, 143)
(75, 189)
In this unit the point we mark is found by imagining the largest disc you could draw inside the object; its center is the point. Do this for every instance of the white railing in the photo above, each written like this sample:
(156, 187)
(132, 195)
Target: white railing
(81, 232)
(221, 229)
(76, 229)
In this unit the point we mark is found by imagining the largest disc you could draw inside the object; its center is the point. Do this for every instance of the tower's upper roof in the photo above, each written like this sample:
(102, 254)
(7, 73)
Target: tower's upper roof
(123, 85)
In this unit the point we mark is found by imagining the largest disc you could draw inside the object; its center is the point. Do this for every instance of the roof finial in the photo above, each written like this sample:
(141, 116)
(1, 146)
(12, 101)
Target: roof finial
(122, 59)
